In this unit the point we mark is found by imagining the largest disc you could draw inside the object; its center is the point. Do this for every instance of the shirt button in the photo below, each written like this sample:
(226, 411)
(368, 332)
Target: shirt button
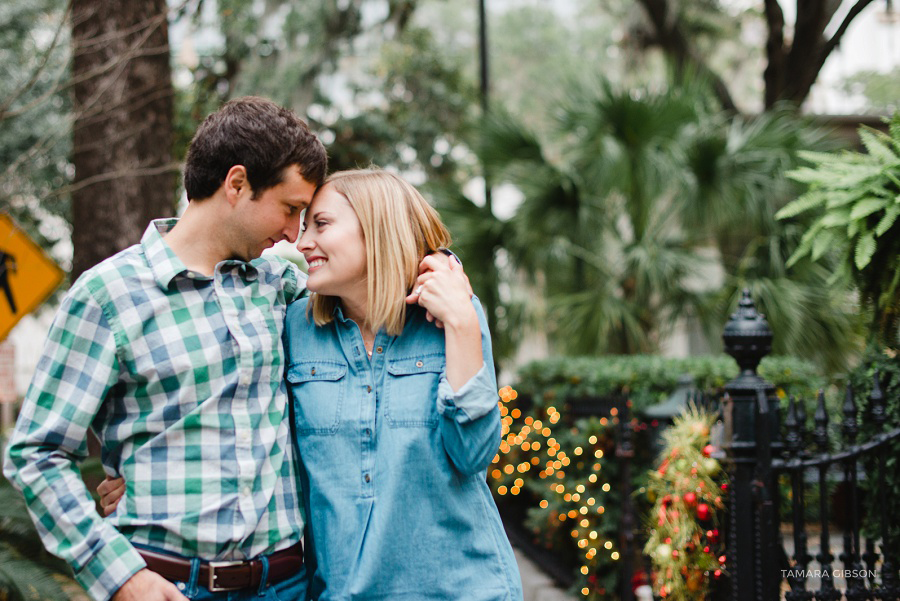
(368, 431)
(246, 491)
(419, 364)
(368, 389)
(368, 478)
(312, 372)
(379, 349)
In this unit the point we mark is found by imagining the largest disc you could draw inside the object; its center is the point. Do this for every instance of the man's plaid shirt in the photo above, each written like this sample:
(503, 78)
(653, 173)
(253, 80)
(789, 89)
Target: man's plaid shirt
(180, 375)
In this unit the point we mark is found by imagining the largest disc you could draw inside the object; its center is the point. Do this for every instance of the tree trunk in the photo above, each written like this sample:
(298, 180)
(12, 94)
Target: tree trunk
(122, 140)
(793, 65)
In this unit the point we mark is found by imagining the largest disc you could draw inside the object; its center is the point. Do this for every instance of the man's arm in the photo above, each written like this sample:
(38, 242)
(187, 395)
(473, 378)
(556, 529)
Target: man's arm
(77, 368)
(293, 279)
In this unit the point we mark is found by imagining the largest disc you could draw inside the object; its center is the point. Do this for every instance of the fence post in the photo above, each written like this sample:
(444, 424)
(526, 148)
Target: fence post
(753, 425)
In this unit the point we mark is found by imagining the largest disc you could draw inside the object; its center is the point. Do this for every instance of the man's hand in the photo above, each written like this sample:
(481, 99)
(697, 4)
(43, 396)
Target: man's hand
(148, 586)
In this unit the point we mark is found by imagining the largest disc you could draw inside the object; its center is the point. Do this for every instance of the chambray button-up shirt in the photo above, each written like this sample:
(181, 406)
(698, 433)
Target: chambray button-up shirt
(181, 375)
(393, 464)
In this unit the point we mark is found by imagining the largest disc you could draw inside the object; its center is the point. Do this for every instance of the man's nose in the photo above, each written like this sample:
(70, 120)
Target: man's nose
(291, 232)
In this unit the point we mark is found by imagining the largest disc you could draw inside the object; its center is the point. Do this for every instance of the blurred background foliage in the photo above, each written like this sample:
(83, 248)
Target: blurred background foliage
(629, 199)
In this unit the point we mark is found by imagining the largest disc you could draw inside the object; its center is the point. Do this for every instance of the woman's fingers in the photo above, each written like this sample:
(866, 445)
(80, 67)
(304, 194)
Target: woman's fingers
(436, 262)
(110, 484)
(110, 491)
(458, 270)
(418, 287)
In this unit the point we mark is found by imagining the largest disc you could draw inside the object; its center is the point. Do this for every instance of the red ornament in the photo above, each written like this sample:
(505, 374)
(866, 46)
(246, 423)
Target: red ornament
(721, 559)
(708, 450)
(712, 535)
(706, 549)
(724, 486)
(703, 512)
(690, 498)
(675, 554)
(717, 574)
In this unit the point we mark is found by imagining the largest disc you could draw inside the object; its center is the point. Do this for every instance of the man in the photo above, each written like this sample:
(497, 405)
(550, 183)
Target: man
(7, 265)
(171, 352)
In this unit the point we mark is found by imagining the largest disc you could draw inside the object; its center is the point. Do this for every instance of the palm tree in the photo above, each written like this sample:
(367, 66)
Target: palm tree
(638, 196)
(603, 275)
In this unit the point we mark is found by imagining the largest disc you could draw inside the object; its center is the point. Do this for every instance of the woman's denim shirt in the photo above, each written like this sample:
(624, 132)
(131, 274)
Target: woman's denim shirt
(393, 464)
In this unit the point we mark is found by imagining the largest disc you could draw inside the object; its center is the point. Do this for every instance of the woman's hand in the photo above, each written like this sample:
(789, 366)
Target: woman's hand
(111, 491)
(443, 289)
(428, 264)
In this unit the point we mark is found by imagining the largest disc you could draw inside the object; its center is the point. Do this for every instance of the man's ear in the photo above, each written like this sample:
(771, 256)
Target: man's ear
(236, 184)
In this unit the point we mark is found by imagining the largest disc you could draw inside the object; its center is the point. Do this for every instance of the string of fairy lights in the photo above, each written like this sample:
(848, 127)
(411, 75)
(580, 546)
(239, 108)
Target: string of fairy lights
(529, 444)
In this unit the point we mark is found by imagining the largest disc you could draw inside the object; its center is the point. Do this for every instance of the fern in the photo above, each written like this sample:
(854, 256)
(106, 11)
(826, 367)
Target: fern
(865, 248)
(866, 207)
(808, 201)
(890, 216)
(879, 146)
(857, 195)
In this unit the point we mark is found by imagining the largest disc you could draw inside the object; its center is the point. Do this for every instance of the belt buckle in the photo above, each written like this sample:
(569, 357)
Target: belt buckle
(213, 566)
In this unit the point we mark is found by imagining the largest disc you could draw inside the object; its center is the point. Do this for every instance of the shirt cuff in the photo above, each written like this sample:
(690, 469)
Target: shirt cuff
(110, 568)
(475, 399)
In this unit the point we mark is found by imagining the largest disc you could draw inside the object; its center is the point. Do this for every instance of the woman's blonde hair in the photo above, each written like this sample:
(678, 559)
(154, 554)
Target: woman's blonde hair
(399, 228)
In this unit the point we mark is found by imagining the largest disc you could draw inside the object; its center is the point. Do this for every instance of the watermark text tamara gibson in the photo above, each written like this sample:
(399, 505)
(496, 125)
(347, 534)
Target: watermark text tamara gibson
(870, 574)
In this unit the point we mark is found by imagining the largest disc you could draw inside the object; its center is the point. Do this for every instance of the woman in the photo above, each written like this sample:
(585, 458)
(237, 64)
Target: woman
(394, 405)
(395, 419)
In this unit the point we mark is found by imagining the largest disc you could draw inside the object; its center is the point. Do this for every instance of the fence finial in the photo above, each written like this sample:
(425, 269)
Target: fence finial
(747, 335)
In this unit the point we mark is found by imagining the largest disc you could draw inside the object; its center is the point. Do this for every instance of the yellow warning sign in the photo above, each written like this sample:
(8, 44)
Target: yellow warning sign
(27, 275)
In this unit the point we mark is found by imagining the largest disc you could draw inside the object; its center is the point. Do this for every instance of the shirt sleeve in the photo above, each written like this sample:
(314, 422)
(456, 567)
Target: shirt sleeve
(294, 282)
(470, 417)
(77, 368)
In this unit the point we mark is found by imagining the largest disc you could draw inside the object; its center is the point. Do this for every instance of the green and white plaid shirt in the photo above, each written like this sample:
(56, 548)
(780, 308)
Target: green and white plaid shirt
(181, 377)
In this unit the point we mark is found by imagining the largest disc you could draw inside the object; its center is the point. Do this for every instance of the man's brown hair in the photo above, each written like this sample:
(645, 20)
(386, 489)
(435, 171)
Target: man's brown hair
(260, 135)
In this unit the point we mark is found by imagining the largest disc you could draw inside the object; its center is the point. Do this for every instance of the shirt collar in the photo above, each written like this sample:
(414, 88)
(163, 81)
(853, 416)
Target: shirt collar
(338, 313)
(165, 264)
(163, 261)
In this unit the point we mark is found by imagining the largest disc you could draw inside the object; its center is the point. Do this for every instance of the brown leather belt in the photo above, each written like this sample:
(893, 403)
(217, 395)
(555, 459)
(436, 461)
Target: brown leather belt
(220, 576)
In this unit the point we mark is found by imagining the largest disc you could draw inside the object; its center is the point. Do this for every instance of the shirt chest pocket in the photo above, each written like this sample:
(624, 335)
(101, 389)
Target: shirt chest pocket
(317, 392)
(411, 391)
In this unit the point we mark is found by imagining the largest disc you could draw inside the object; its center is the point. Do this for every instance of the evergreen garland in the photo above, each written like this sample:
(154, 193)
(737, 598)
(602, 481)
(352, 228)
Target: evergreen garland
(687, 488)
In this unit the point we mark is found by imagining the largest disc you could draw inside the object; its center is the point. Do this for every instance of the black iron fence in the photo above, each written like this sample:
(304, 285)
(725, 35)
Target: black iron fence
(760, 564)
(824, 553)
